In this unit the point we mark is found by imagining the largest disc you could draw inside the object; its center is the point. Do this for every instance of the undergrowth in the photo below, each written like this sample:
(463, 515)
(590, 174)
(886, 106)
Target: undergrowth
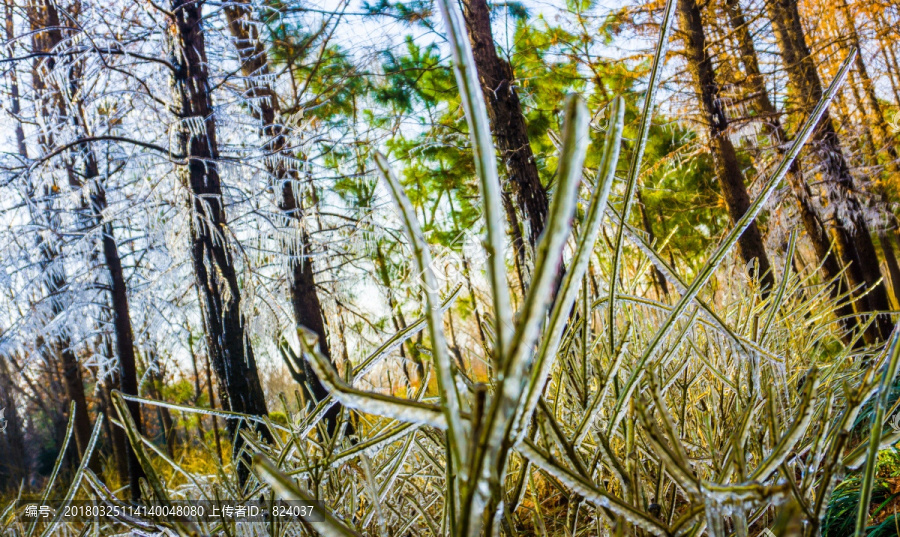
(605, 411)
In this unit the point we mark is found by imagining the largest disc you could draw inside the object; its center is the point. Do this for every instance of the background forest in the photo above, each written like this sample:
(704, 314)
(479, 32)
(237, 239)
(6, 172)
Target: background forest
(452, 267)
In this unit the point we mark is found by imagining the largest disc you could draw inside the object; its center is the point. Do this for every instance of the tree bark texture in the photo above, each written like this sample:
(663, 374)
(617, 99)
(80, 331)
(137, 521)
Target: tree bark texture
(507, 120)
(809, 215)
(849, 229)
(229, 347)
(305, 301)
(728, 170)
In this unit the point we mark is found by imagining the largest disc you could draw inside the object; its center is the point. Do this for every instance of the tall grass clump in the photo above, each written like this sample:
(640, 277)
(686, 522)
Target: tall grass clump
(603, 412)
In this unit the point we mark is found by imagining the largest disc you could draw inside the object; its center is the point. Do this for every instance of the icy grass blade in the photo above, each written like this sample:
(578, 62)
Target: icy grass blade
(634, 170)
(796, 431)
(440, 354)
(548, 262)
(881, 403)
(547, 353)
(591, 492)
(776, 303)
(318, 412)
(486, 168)
(79, 474)
(727, 243)
(287, 489)
(175, 466)
(504, 404)
(376, 441)
(70, 427)
(859, 455)
(225, 414)
(363, 401)
(123, 512)
(591, 412)
(400, 337)
(134, 438)
(714, 319)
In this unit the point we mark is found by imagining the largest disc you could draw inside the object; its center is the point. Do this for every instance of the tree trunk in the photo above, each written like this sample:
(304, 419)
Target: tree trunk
(195, 138)
(122, 452)
(517, 242)
(727, 167)
(659, 279)
(883, 143)
(46, 35)
(154, 388)
(13, 466)
(809, 216)
(849, 228)
(119, 301)
(212, 405)
(507, 120)
(304, 296)
(397, 316)
(890, 58)
(96, 203)
(883, 139)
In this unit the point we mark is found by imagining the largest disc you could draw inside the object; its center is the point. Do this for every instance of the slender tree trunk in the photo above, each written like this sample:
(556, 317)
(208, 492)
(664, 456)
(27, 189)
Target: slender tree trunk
(96, 204)
(305, 301)
(201, 433)
(517, 243)
(121, 449)
(154, 387)
(507, 120)
(869, 143)
(474, 299)
(850, 230)
(119, 301)
(728, 170)
(659, 279)
(13, 466)
(397, 313)
(195, 138)
(212, 404)
(890, 58)
(883, 142)
(46, 34)
(809, 215)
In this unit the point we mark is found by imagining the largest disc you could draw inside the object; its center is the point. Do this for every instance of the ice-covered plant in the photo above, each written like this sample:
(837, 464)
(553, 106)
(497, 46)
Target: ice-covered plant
(603, 411)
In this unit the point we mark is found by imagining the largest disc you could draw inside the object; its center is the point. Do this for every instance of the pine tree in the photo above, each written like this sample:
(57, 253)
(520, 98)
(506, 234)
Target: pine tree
(230, 350)
(728, 170)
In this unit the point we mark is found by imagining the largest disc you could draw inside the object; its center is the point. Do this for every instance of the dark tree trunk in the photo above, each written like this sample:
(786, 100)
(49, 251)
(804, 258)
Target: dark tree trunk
(120, 448)
(154, 388)
(517, 243)
(659, 279)
(883, 138)
(97, 205)
(728, 170)
(127, 374)
(195, 138)
(13, 465)
(47, 33)
(507, 120)
(850, 230)
(883, 143)
(812, 222)
(301, 280)
(212, 404)
(75, 390)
